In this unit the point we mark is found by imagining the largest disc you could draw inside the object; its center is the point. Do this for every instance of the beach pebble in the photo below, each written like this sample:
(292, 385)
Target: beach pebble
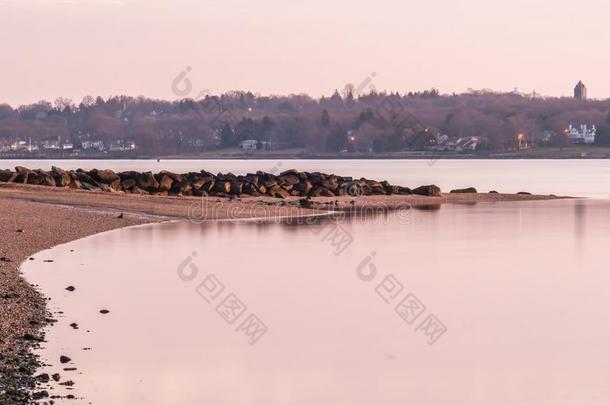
(40, 395)
(104, 311)
(44, 378)
(70, 288)
(64, 359)
(68, 383)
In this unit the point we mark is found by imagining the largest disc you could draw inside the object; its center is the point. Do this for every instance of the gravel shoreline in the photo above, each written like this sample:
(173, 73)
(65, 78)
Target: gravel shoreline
(35, 218)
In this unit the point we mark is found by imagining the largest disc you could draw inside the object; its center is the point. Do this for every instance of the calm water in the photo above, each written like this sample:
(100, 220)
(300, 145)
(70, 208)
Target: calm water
(584, 178)
(507, 306)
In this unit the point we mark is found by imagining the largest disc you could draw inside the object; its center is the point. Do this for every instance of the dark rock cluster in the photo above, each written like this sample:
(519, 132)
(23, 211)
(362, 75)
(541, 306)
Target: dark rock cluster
(288, 183)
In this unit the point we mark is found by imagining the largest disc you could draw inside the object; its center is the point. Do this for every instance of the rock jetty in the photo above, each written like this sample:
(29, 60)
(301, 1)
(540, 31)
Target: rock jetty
(290, 183)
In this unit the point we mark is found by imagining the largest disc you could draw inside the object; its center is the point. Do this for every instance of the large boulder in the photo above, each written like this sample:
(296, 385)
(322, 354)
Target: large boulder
(75, 184)
(88, 186)
(173, 176)
(104, 176)
(146, 181)
(62, 177)
(197, 183)
(261, 189)
(388, 188)
(208, 186)
(83, 177)
(468, 190)
(351, 188)
(128, 175)
(183, 187)
(428, 191)
(236, 187)
(331, 183)
(138, 190)
(115, 185)
(47, 179)
(35, 178)
(304, 187)
(21, 175)
(278, 192)
(222, 187)
(291, 179)
(322, 192)
(376, 187)
(290, 172)
(252, 178)
(128, 183)
(269, 182)
(6, 176)
(165, 183)
(250, 189)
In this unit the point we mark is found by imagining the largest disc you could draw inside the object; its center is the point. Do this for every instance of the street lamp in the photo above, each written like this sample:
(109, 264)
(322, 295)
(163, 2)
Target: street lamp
(520, 138)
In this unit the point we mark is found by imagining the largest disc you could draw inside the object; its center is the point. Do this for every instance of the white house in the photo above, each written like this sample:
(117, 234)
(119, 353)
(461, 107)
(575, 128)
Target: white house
(121, 146)
(582, 135)
(464, 144)
(249, 144)
(52, 145)
(99, 145)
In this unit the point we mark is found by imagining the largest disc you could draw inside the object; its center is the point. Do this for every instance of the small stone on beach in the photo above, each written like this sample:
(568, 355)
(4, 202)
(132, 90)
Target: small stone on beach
(64, 359)
(70, 288)
(68, 383)
(104, 311)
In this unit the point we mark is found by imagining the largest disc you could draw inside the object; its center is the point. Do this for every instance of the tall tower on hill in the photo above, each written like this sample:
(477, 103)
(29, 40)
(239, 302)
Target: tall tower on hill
(580, 91)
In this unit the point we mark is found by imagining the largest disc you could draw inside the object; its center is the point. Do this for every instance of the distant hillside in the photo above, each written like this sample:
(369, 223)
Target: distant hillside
(369, 123)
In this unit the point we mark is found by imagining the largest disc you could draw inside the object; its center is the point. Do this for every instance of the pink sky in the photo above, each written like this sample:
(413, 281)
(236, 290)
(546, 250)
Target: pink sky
(72, 48)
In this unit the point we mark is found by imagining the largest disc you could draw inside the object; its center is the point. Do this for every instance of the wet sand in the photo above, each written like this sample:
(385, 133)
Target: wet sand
(34, 218)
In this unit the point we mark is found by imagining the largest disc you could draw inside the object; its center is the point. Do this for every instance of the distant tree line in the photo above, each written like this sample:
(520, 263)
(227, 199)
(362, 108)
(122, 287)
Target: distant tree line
(346, 122)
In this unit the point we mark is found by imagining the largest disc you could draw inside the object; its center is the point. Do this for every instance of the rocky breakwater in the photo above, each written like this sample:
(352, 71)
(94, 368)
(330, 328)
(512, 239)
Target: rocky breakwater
(290, 183)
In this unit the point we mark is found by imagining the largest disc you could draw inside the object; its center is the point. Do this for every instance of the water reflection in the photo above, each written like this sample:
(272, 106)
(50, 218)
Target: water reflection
(493, 303)
(580, 214)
